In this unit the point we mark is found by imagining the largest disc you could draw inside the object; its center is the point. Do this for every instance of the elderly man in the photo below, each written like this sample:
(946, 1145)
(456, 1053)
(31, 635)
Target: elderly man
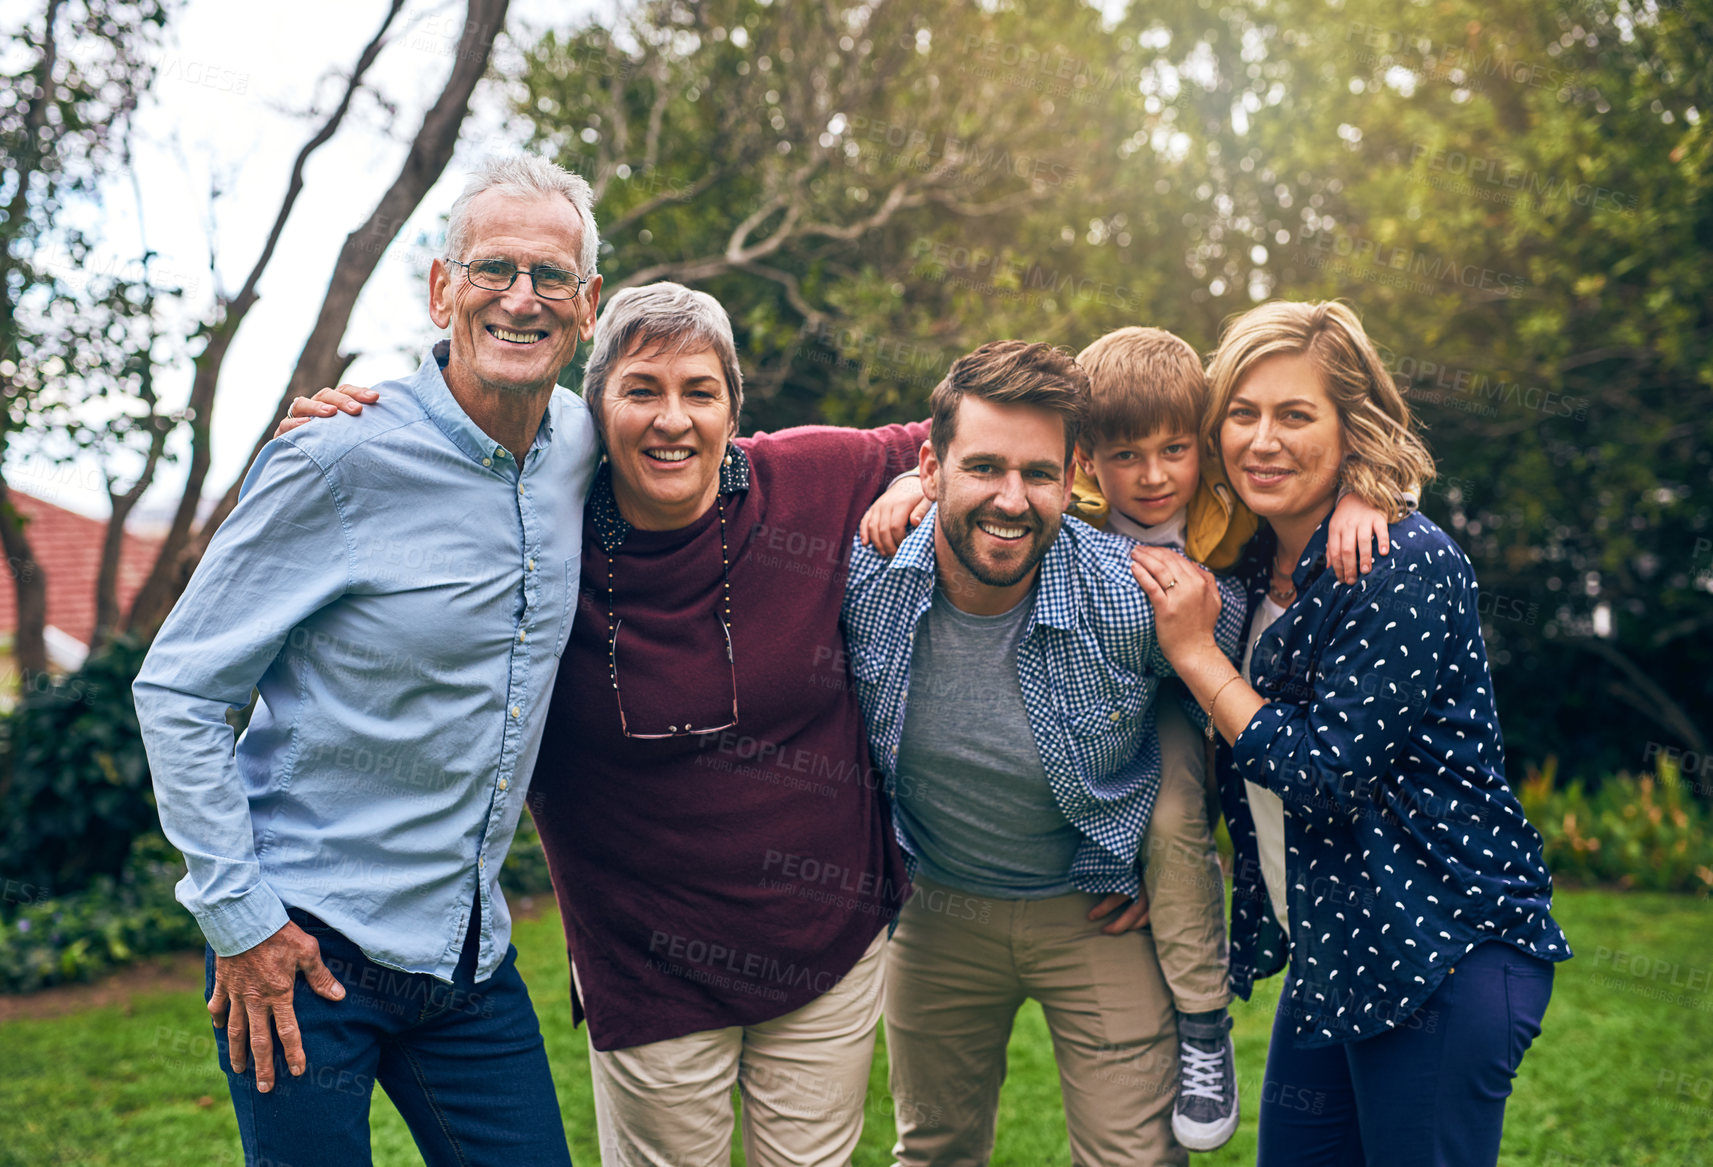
(399, 590)
(1007, 668)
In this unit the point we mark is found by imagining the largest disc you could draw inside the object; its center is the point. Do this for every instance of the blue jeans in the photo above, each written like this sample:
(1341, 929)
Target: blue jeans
(463, 1062)
(1430, 1093)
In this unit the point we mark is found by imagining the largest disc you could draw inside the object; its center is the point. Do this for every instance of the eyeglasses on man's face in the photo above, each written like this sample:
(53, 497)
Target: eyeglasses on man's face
(498, 275)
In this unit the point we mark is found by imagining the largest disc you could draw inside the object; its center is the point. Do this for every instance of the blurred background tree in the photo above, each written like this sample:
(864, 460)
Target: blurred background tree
(1514, 195)
(1517, 196)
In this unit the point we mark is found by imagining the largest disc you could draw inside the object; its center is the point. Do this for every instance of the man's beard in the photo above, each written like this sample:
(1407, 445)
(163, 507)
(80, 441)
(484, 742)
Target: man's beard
(961, 536)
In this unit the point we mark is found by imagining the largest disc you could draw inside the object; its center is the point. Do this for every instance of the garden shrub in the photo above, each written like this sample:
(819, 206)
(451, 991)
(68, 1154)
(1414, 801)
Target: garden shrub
(1642, 832)
(74, 780)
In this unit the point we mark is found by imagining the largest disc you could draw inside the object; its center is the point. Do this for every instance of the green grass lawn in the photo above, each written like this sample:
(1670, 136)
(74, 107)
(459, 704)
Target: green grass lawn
(1622, 1075)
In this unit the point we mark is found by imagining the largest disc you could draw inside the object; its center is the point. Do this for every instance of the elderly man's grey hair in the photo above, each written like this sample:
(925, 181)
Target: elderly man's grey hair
(663, 317)
(524, 176)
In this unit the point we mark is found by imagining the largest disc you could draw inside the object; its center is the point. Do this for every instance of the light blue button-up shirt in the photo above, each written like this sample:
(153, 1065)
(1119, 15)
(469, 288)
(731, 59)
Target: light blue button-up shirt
(1088, 665)
(399, 591)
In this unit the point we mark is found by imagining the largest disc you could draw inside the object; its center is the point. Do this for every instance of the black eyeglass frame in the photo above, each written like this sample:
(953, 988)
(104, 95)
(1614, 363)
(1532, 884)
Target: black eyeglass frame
(541, 268)
(687, 730)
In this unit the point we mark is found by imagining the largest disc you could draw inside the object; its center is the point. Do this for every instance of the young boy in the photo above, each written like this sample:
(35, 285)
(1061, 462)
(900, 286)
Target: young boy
(1140, 474)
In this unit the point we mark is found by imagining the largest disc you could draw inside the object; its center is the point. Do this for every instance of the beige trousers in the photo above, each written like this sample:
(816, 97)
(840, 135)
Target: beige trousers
(1186, 891)
(803, 1078)
(960, 966)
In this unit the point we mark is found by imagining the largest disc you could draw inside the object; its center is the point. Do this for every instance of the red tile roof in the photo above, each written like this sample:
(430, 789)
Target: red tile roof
(67, 548)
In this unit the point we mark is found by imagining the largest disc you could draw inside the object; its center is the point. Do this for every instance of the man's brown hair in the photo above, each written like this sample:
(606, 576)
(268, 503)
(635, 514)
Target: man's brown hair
(1011, 372)
(1142, 381)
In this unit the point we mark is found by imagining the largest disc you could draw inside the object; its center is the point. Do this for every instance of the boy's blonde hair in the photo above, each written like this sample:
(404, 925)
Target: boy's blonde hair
(1141, 381)
(1387, 458)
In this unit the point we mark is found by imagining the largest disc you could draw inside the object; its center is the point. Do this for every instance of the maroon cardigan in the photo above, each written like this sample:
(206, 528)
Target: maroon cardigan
(734, 877)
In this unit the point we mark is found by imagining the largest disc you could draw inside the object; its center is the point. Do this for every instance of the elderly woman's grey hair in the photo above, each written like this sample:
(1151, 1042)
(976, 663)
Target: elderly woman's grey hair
(525, 176)
(664, 318)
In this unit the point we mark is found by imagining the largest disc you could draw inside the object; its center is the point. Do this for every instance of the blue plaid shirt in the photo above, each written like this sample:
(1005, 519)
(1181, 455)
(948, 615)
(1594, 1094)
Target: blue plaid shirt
(1088, 664)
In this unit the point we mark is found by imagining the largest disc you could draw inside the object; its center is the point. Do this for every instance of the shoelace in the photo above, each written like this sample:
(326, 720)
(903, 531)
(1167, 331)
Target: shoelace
(1203, 1073)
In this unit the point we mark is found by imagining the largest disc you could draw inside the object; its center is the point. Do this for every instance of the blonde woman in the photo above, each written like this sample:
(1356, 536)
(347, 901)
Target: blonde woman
(1381, 853)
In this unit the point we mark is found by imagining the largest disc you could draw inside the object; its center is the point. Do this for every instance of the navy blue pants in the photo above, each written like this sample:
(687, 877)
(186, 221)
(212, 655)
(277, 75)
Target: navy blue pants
(1430, 1093)
(463, 1062)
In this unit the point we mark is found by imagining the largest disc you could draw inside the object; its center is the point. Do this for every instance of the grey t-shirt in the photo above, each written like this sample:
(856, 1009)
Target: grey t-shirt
(972, 793)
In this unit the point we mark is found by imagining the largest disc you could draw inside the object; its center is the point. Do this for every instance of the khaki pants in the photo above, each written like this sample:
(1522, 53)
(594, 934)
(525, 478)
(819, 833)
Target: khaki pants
(960, 966)
(803, 1077)
(1186, 891)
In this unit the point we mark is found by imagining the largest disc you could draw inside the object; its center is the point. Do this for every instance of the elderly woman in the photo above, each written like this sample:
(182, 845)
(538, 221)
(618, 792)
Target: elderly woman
(723, 856)
(721, 849)
(1365, 748)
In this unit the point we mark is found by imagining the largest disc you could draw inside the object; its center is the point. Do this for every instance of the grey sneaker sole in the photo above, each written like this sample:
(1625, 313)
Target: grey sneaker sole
(1208, 1136)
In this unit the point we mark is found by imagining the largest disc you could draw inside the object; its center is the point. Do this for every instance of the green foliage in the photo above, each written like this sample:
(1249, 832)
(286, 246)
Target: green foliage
(525, 872)
(74, 779)
(50, 939)
(72, 83)
(1517, 196)
(110, 923)
(1641, 832)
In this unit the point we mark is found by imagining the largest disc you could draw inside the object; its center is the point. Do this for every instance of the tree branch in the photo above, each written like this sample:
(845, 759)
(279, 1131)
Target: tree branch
(812, 316)
(321, 363)
(648, 206)
(107, 613)
(170, 571)
(1644, 695)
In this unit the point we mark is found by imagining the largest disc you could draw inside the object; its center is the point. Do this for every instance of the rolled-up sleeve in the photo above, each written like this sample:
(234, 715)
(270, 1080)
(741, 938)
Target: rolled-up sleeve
(1379, 668)
(280, 556)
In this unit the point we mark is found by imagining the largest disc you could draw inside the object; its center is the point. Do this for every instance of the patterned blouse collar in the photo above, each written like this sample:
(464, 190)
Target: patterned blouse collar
(1255, 567)
(611, 528)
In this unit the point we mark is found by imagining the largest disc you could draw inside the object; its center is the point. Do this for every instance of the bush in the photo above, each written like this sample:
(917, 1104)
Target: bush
(1641, 832)
(53, 940)
(110, 923)
(525, 871)
(74, 780)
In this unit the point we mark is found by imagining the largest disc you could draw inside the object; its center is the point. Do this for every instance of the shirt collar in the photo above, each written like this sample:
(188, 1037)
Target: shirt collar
(436, 399)
(1169, 533)
(612, 528)
(1055, 591)
(1313, 561)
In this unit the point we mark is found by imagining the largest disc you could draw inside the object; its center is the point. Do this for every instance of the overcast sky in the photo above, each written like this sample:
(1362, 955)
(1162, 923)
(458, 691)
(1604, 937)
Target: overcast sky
(227, 110)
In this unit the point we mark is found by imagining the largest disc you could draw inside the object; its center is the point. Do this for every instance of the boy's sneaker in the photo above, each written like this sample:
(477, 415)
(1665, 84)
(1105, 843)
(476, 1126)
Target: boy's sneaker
(1205, 1115)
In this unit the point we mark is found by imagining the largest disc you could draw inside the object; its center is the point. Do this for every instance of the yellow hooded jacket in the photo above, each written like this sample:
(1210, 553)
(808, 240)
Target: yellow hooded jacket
(1215, 529)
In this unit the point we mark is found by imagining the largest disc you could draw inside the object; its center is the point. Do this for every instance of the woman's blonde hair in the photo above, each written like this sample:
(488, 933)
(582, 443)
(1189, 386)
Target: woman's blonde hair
(1387, 458)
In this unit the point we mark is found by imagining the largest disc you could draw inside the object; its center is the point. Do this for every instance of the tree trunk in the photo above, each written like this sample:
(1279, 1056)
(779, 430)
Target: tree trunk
(28, 645)
(30, 585)
(107, 613)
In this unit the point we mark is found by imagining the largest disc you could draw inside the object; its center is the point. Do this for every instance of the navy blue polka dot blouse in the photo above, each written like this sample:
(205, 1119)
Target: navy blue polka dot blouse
(1404, 846)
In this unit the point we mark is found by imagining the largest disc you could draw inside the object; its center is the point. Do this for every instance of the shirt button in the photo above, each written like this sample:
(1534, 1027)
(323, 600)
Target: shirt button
(532, 565)
(482, 861)
(520, 488)
(516, 712)
(1116, 717)
(487, 461)
(520, 636)
(504, 783)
